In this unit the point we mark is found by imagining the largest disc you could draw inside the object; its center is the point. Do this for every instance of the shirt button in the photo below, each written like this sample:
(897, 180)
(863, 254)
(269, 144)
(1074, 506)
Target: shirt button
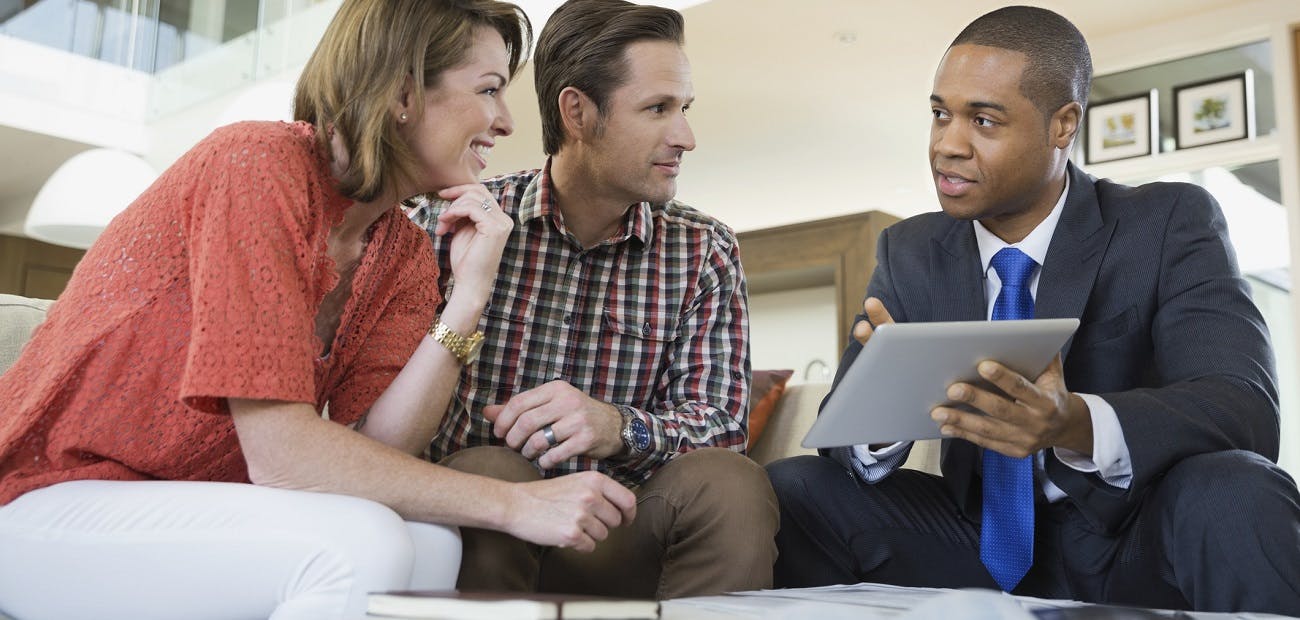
(568, 319)
(645, 328)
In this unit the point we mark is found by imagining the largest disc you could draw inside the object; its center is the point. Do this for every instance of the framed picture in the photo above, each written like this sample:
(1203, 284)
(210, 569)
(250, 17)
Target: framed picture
(1217, 110)
(1121, 128)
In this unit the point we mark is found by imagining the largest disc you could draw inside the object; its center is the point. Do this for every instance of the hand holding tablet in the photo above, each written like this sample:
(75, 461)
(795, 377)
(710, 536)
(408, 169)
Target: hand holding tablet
(904, 371)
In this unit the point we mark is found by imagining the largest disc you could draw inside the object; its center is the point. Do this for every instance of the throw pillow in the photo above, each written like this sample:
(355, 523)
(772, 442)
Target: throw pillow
(765, 389)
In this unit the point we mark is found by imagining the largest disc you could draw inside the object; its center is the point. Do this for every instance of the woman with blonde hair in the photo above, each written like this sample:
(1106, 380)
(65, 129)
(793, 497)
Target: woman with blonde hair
(162, 448)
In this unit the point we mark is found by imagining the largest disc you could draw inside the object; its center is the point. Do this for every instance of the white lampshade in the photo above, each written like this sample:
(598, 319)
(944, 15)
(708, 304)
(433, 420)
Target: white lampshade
(79, 200)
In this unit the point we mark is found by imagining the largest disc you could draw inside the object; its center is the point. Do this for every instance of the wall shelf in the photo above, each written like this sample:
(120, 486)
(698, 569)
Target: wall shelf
(1226, 154)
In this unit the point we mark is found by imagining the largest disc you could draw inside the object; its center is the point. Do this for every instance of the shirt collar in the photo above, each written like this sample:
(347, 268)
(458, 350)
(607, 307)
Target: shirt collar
(536, 199)
(1034, 244)
(537, 202)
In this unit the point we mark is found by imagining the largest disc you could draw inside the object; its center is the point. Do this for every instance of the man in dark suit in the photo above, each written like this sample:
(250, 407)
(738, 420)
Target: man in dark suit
(1144, 459)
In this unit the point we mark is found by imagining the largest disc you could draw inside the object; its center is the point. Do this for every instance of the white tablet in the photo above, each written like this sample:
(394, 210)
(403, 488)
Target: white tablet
(905, 369)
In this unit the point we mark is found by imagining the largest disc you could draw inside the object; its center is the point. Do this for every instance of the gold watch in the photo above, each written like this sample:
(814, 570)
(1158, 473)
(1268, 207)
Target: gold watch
(465, 349)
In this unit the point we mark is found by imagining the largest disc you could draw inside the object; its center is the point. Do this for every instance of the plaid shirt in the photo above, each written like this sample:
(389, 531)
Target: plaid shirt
(653, 318)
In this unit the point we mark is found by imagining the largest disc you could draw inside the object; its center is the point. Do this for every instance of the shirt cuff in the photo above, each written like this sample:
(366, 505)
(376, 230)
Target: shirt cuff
(1110, 455)
(874, 465)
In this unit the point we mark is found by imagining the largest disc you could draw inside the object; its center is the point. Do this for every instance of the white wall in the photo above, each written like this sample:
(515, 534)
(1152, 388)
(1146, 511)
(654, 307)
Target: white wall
(172, 135)
(791, 329)
(56, 93)
(13, 213)
(54, 104)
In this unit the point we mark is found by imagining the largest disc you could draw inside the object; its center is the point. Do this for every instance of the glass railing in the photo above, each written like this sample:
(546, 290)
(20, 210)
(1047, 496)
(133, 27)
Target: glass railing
(197, 49)
(282, 42)
(145, 35)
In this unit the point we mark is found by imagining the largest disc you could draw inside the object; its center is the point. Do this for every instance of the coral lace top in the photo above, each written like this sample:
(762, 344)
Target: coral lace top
(207, 288)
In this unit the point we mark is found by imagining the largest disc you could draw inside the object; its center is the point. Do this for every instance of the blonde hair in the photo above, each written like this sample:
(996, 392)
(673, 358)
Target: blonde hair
(367, 53)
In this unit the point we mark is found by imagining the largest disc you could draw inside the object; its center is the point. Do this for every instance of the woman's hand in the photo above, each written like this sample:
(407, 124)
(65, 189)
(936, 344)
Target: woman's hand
(575, 511)
(479, 230)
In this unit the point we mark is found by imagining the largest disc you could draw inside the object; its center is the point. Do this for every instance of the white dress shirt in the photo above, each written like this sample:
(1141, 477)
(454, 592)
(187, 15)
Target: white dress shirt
(1110, 455)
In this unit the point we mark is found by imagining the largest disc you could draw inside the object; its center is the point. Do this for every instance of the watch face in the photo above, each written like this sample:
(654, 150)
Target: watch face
(475, 346)
(640, 434)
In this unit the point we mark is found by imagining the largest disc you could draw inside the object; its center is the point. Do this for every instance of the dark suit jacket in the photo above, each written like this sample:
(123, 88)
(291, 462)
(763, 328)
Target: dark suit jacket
(1168, 335)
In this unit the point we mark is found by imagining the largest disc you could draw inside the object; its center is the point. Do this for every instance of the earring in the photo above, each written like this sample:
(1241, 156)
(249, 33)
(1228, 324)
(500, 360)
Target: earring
(402, 117)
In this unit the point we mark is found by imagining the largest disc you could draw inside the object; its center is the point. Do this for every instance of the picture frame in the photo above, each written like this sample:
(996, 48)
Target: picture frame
(1122, 128)
(1216, 110)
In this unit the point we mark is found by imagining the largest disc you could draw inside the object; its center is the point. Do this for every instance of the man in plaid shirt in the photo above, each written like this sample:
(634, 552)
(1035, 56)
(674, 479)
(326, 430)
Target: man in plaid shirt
(616, 336)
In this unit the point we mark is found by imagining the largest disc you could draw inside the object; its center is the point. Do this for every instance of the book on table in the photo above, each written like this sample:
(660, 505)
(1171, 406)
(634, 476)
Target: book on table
(506, 606)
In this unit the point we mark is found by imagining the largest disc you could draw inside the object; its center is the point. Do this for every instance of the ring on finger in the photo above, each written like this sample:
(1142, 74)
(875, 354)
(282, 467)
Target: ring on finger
(549, 434)
(487, 204)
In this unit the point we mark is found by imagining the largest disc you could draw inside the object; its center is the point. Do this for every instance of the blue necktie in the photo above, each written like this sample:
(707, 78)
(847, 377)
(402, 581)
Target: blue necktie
(1007, 525)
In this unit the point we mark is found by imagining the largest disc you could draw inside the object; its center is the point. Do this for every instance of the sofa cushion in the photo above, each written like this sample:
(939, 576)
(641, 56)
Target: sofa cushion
(18, 317)
(794, 415)
(765, 390)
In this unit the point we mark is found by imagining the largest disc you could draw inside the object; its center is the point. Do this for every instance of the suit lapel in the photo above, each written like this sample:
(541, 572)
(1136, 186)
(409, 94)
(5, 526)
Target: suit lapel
(958, 290)
(957, 294)
(1069, 275)
(1075, 254)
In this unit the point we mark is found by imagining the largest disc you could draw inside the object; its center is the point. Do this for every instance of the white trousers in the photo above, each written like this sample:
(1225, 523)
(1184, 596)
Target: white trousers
(198, 550)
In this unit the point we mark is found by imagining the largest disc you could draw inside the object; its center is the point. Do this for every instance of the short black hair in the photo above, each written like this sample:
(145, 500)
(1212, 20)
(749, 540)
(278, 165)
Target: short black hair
(1059, 69)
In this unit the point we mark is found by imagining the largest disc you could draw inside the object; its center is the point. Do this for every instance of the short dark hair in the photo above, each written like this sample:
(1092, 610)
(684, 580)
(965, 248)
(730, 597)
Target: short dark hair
(1059, 68)
(583, 44)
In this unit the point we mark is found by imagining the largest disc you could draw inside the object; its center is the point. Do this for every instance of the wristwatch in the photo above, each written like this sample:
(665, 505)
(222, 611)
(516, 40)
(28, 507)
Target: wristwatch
(636, 435)
(465, 349)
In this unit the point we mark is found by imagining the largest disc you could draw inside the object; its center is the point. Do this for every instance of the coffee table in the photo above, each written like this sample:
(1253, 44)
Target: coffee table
(867, 601)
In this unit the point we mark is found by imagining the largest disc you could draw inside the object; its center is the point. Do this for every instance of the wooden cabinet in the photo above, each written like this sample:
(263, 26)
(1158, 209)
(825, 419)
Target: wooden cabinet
(34, 268)
(839, 251)
(1295, 68)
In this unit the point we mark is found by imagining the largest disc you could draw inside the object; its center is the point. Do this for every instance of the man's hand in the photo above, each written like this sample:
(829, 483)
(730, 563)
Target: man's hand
(582, 426)
(877, 315)
(1031, 416)
(574, 511)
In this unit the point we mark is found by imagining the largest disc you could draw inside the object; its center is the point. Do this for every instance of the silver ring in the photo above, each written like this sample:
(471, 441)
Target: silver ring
(487, 204)
(549, 434)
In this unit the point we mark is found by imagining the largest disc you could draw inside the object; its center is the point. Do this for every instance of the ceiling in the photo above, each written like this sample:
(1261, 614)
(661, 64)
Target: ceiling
(808, 106)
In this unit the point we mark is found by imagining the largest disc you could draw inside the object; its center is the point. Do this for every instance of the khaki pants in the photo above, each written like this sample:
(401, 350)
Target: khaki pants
(705, 524)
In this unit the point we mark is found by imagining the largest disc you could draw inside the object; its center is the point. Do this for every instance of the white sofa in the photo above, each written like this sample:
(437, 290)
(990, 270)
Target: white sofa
(18, 317)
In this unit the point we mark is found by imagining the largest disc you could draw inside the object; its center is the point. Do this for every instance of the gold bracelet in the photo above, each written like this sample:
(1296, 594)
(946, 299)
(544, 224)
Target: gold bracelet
(465, 349)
